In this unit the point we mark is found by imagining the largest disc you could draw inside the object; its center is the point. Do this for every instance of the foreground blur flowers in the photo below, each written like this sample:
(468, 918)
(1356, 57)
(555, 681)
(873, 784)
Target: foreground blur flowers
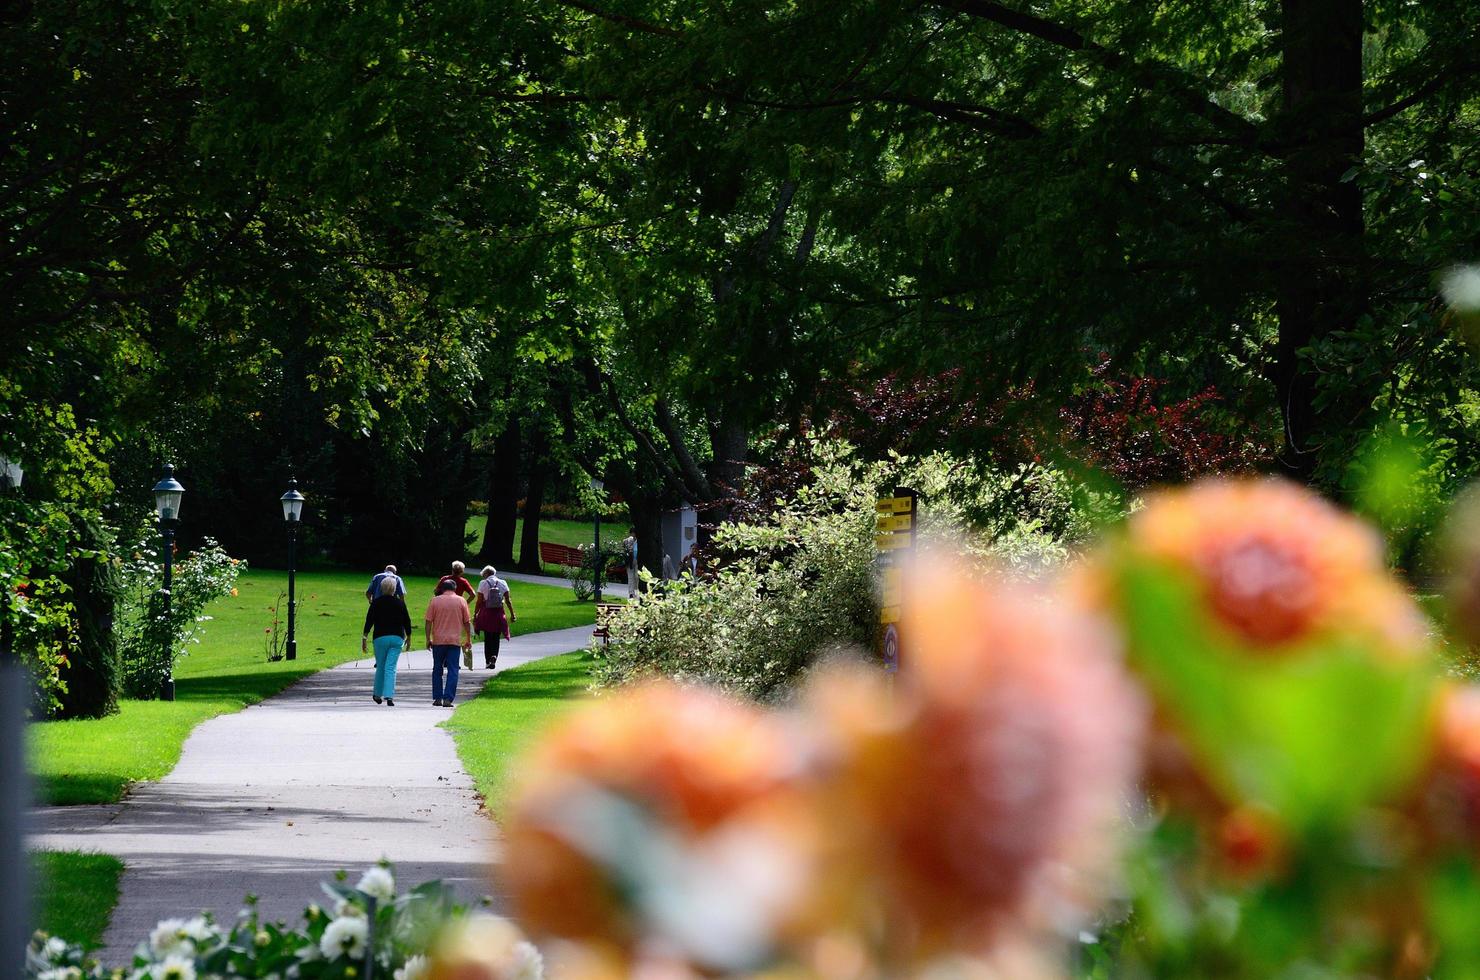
(988, 791)
(664, 818)
(480, 947)
(1292, 673)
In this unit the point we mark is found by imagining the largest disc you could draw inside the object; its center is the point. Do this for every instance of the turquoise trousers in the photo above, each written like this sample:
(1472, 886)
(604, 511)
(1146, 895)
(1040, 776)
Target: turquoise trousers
(387, 652)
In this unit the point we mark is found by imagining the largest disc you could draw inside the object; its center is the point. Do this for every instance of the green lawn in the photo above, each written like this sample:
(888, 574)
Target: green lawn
(75, 894)
(508, 714)
(571, 533)
(93, 761)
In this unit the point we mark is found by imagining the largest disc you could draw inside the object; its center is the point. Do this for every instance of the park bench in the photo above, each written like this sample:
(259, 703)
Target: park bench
(567, 557)
(604, 613)
(560, 554)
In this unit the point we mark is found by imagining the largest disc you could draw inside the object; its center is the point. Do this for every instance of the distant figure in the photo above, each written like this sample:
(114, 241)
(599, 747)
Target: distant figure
(391, 623)
(629, 551)
(448, 632)
(374, 589)
(488, 615)
(691, 560)
(669, 572)
(463, 586)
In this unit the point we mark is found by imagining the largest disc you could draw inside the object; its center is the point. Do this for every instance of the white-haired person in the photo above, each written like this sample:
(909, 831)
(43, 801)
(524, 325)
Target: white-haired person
(379, 577)
(488, 613)
(455, 577)
(389, 625)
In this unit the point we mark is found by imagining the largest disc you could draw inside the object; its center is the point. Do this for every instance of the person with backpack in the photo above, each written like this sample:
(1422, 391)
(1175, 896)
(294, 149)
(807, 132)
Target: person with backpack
(488, 615)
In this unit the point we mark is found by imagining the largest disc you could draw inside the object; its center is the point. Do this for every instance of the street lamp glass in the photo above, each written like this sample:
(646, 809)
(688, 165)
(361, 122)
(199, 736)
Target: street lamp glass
(597, 485)
(292, 503)
(10, 474)
(167, 495)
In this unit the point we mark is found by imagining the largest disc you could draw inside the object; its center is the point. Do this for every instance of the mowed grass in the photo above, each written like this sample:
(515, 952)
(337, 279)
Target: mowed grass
(93, 761)
(508, 714)
(75, 894)
(570, 533)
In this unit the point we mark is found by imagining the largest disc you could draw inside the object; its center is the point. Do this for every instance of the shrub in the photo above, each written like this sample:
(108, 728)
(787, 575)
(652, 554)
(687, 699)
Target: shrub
(370, 929)
(150, 642)
(798, 579)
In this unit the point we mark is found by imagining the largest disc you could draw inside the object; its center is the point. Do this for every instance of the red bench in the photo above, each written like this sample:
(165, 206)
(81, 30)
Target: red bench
(559, 554)
(568, 557)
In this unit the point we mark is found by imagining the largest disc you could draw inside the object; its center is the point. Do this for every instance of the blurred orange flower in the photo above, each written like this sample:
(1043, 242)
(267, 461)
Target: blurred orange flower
(1277, 565)
(987, 789)
(667, 817)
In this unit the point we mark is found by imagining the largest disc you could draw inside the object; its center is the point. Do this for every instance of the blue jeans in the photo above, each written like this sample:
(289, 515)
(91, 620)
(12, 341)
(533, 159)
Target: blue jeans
(446, 657)
(387, 652)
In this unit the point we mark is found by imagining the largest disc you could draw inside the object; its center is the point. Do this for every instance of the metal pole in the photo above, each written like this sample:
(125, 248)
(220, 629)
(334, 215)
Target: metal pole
(596, 532)
(15, 801)
(292, 601)
(167, 691)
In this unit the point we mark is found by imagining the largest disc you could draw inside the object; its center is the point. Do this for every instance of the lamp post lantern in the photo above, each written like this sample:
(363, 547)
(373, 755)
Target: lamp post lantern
(292, 512)
(167, 495)
(11, 474)
(597, 486)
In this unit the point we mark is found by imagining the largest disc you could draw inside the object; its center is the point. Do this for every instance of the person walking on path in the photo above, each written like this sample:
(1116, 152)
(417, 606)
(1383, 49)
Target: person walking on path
(448, 633)
(463, 586)
(379, 577)
(629, 550)
(488, 616)
(391, 625)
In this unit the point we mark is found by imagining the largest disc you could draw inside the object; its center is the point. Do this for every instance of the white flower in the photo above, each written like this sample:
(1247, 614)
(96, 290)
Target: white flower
(526, 963)
(416, 968)
(55, 946)
(167, 937)
(175, 968)
(60, 973)
(198, 930)
(345, 937)
(1461, 288)
(379, 883)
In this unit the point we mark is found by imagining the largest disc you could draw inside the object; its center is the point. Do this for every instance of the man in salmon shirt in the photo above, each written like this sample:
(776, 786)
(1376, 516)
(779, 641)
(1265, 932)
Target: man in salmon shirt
(449, 631)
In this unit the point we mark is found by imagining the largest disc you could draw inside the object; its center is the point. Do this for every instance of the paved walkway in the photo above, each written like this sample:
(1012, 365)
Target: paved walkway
(274, 799)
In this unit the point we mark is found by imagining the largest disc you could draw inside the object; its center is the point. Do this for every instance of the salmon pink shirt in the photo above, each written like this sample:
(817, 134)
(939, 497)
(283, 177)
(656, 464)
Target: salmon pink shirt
(447, 614)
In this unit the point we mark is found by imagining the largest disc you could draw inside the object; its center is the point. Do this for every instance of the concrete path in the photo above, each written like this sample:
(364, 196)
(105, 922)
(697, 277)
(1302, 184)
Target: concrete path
(274, 799)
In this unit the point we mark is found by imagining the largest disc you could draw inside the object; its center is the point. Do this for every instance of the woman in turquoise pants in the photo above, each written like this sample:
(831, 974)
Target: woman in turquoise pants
(390, 623)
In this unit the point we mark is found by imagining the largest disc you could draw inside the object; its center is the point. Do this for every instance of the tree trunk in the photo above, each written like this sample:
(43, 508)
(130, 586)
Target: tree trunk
(534, 500)
(729, 439)
(1322, 289)
(503, 499)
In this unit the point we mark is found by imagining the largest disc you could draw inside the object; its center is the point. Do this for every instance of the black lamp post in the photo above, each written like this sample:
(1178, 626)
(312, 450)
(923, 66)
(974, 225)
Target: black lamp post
(11, 474)
(292, 511)
(167, 495)
(597, 486)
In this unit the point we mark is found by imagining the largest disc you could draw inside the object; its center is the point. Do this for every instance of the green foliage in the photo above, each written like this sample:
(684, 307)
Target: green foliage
(800, 582)
(153, 635)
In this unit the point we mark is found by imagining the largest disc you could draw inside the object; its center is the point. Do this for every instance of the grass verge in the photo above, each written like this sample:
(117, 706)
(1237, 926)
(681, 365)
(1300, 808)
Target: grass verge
(570, 533)
(75, 894)
(492, 729)
(94, 760)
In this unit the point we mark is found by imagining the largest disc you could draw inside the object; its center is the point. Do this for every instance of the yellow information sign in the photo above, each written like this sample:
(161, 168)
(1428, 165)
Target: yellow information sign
(893, 542)
(895, 505)
(895, 522)
(889, 614)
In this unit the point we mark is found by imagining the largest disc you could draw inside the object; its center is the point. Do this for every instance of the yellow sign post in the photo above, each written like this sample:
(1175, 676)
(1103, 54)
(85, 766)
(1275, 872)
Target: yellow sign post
(894, 537)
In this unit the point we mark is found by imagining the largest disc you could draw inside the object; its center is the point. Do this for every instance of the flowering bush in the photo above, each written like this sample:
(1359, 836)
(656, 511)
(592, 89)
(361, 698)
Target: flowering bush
(418, 935)
(149, 641)
(799, 578)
